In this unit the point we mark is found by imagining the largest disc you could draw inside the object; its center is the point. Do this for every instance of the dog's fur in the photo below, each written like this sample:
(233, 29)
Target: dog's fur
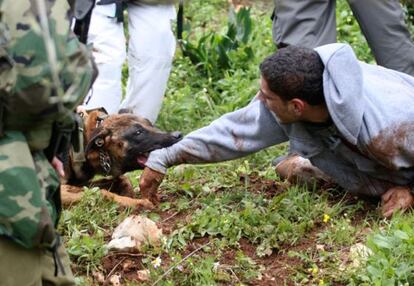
(113, 145)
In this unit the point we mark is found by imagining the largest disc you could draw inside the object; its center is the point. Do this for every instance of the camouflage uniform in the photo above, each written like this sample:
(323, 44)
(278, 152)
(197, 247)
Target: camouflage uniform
(44, 73)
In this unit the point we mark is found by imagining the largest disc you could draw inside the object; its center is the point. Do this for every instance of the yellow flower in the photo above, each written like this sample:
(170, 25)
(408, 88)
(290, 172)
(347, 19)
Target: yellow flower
(315, 270)
(321, 283)
(156, 262)
(326, 218)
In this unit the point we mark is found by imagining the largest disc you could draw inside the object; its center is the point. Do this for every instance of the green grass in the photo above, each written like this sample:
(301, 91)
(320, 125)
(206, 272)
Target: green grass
(227, 221)
(391, 261)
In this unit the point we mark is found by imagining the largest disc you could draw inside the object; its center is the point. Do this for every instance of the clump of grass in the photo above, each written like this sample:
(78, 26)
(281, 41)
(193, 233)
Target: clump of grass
(391, 261)
(234, 214)
(85, 227)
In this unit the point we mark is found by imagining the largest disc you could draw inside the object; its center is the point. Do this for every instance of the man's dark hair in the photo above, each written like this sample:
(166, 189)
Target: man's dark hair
(295, 72)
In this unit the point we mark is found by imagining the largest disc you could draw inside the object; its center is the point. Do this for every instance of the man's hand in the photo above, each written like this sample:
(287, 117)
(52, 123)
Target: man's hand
(396, 198)
(148, 184)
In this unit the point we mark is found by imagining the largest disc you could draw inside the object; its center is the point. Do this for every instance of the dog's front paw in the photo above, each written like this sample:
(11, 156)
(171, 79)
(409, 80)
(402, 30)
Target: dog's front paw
(127, 201)
(153, 197)
(145, 203)
(136, 203)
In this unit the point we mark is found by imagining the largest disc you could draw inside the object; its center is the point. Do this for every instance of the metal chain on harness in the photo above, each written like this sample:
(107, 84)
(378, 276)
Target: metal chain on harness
(105, 162)
(104, 158)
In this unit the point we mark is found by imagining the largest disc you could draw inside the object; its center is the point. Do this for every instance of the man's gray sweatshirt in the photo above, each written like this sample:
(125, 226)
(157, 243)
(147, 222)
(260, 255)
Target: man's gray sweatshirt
(367, 149)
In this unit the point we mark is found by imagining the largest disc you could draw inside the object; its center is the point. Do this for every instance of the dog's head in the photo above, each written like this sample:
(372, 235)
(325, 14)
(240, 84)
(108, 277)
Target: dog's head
(120, 143)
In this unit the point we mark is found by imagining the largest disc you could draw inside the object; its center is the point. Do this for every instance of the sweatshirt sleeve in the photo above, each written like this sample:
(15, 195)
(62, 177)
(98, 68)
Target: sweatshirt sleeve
(231, 136)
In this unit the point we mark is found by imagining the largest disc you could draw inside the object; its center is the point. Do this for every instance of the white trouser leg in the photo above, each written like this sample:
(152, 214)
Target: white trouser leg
(150, 52)
(108, 39)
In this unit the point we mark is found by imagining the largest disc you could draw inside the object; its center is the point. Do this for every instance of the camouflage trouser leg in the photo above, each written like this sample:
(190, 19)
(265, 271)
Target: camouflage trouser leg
(31, 267)
(27, 216)
(27, 180)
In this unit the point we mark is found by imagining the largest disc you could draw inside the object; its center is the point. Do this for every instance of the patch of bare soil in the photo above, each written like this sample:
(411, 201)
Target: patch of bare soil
(266, 187)
(169, 220)
(126, 265)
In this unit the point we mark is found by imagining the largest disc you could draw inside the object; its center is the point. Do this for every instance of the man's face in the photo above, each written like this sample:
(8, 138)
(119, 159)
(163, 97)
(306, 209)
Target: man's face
(282, 109)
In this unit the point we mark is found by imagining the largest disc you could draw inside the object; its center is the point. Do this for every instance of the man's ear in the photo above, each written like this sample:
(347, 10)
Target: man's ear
(297, 106)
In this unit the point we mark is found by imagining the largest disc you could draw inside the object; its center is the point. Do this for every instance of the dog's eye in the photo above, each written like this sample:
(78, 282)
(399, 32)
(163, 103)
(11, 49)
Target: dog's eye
(138, 132)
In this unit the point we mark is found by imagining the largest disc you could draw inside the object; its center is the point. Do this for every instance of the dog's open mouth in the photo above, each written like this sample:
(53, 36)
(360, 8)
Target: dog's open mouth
(142, 159)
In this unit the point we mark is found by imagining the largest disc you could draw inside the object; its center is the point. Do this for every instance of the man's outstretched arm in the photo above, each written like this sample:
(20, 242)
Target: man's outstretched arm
(232, 136)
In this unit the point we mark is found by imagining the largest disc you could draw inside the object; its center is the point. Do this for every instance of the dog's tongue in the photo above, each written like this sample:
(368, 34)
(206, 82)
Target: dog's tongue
(142, 160)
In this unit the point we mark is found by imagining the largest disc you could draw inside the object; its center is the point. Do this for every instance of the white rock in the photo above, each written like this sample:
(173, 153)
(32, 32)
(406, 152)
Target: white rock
(133, 233)
(123, 243)
(115, 280)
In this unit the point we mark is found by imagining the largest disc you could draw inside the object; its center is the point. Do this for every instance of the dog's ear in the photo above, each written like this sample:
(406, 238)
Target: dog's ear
(142, 120)
(98, 139)
(146, 122)
(125, 110)
(81, 110)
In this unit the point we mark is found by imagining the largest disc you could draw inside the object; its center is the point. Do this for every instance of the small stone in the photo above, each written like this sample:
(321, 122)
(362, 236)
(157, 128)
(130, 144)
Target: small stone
(143, 275)
(115, 280)
(98, 277)
(320, 247)
(127, 265)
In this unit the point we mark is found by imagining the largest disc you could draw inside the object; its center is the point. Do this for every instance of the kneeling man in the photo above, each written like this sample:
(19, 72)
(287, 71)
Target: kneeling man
(351, 120)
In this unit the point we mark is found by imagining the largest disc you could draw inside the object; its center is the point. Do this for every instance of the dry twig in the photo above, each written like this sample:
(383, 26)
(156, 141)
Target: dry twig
(113, 270)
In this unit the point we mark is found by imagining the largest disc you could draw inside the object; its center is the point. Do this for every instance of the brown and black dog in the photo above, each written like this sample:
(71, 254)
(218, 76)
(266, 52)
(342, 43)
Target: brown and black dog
(113, 145)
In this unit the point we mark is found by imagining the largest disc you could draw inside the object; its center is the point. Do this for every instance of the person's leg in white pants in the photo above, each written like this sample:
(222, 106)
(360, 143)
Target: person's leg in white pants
(108, 39)
(150, 53)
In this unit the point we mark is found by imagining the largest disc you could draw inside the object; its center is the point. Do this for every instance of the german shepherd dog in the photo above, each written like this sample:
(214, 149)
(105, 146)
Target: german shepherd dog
(113, 145)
